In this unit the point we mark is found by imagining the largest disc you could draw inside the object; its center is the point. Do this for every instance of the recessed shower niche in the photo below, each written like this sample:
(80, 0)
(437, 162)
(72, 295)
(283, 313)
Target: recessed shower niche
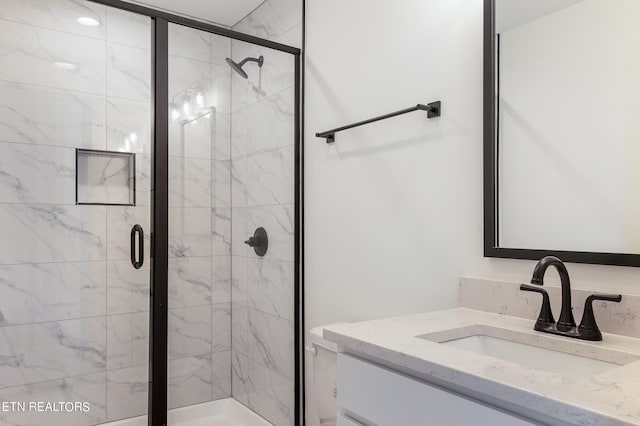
(105, 177)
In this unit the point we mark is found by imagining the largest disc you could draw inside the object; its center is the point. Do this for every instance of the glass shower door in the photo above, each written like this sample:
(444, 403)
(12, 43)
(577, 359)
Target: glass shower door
(75, 144)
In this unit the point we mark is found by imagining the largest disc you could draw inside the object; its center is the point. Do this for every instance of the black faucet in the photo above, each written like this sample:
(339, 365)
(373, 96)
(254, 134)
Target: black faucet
(566, 325)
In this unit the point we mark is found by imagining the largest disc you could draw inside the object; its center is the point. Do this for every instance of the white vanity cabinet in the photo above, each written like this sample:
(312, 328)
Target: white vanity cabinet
(369, 394)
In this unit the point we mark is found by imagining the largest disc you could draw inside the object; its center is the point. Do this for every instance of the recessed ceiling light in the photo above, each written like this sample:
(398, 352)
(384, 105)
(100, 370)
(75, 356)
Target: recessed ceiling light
(65, 66)
(89, 22)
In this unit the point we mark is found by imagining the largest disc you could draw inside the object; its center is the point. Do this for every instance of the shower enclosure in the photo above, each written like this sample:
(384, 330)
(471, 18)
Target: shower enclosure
(139, 154)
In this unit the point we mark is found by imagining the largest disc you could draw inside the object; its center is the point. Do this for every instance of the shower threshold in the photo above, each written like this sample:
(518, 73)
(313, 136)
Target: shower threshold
(223, 412)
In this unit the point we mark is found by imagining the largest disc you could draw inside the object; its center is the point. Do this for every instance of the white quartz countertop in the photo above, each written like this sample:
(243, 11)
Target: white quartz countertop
(409, 344)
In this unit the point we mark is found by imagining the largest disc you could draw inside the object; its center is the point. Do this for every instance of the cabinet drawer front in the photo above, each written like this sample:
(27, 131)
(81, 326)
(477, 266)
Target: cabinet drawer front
(386, 398)
(345, 421)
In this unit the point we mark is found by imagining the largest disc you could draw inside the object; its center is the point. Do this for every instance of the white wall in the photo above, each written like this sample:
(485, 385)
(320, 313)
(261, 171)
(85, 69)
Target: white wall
(393, 212)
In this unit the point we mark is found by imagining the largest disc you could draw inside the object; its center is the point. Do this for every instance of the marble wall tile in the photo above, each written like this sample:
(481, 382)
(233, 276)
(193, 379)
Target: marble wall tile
(240, 280)
(221, 183)
(239, 177)
(221, 231)
(59, 15)
(105, 178)
(38, 115)
(290, 14)
(128, 28)
(120, 220)
(279, 223)
(51, 350)
(189, 43)
(191, 138)
(189, 232)
(185, 73)
(271, 123)
(127, 392)
(220, 49)
(189, 381)
(240, 328)
(127, 288)
(127, 340)
(221, 279)
(220, 92)
(272, 395)
(276, 74)
(52, 233)
(293, 37)
(39, 292)
(221, 139)
(221, 327)
(239, 85)
(84, 388)
(271, 287)
(271, 342)
(220, 375)
(37, 174)
(189, 331)
(189, 182)
(28, 55)
(240, 231)
(271, 178)
(143, 180)
(240, 383)
(189, 281)
(263, 22)
(128, 125)
(128, 72)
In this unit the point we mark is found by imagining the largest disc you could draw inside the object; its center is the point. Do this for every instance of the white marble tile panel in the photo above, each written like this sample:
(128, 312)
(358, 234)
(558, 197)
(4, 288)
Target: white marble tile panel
(120, 220)
(220, 49)
(290, 13)
(105, 178)
(263, 22)
(239, 86)
(279, 224)
(240, 280)
(221, 183)
(189, 232)
(191, 138)
(189, 281)
(240, 382)
(271, 342)
(37, 174)
(59, 15)
(221, 232)
(220, 91)
(221, 327)
(143, 180)
(127, 340)
(271, 287)
(128, 28)
(127, 392)
(189, 182)
(271, 177)
(39, 115)
(128, 72)
(271, 122)
(239, 178)
(221, 279)
(39, 292)
(189, 43)
(272, 395)
(220, 375)
(128, 125)
(52, 233)
(221, 139)
(239, 328)
(240, 231)
(189, 331)
(51, 350)
(187, 76)
(189, 381)
(276, 74)
(127, 288)
(88, 388)
(293, 37)
(28, 55)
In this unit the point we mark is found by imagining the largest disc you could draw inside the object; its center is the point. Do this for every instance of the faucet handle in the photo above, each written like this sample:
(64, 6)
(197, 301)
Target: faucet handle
(545, 317)
(588, 324)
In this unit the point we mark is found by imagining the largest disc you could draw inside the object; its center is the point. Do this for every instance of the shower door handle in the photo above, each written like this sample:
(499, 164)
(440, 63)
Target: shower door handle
(137, 229)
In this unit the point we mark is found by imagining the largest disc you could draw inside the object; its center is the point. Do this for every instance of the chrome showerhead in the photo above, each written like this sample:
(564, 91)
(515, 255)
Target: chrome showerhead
(237, 67)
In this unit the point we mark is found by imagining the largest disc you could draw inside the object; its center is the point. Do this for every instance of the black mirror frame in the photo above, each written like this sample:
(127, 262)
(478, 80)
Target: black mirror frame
(491, 248)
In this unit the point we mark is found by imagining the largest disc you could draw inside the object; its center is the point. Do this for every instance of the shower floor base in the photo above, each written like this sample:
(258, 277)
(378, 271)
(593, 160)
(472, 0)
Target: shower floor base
(224, 412)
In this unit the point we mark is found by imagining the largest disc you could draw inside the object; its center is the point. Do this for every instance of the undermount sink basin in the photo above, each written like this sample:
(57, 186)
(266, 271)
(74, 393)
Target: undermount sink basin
(532, 356)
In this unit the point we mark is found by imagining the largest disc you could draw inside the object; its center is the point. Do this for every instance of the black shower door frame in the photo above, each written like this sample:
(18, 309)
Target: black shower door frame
(158, 324)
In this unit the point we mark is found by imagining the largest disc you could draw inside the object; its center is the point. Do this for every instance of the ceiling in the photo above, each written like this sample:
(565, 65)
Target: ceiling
(222, 12)
(512, 13)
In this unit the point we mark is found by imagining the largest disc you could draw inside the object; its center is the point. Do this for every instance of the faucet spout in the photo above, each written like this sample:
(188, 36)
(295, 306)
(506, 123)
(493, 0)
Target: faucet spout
(566, 320)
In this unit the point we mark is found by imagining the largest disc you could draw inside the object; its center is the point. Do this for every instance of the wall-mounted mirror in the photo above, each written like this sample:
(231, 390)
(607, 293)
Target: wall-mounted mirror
(562, 130)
